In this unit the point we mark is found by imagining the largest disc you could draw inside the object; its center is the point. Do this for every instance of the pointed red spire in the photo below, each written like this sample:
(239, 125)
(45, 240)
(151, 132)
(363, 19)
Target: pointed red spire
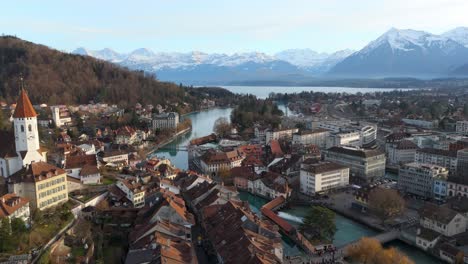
(24, 107)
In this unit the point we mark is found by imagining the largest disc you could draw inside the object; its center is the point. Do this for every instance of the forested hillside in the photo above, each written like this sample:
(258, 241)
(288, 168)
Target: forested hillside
(56, 77)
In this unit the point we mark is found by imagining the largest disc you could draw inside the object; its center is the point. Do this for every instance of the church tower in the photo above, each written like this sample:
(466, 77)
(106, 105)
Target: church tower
(26, 133)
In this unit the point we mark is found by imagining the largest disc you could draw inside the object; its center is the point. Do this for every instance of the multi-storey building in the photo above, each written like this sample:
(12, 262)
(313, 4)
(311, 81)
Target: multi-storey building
(344, 138)
(400, 152)
(439, 157)
(213, 162)
(429, 124)
(317, 177)
(43, 184)
(13, 206)
(364, 164)
(277, 134)
(442, 220)
(419, 179)
(462, 127)
(134, 191)
(316, 137)
(60, 115)
(166, 121)
(462, 164)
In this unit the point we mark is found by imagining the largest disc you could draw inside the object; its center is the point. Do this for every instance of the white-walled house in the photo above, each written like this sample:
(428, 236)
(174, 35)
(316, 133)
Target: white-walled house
(134, 191)
(442, 220)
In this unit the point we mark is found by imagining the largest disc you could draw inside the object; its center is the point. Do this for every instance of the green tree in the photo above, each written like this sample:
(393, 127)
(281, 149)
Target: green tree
(319, 224)
(18, 226)
(6, 238)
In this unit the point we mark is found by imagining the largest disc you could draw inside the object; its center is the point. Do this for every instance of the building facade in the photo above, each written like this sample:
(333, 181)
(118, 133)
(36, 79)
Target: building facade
(316, 137)
(166, 121)
(134, 191)
(439, 157)
(364, 164)
(13, 206)
(60, 115)
(43, 184)
(462, 127)
(418, 179)
(277, 134)
(322, 176)
(400, 152)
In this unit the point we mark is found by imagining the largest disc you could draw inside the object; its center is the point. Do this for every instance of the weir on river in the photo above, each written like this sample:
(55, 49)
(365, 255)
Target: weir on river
(348, 230)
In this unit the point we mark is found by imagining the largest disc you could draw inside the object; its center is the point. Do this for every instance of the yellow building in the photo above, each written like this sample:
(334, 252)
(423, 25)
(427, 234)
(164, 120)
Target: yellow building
(43, 184)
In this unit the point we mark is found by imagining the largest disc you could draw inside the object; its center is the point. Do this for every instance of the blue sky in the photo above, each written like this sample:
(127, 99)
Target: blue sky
(223, 26)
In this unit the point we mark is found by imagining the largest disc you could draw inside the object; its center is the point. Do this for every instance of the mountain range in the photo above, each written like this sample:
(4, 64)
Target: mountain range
(396, 53)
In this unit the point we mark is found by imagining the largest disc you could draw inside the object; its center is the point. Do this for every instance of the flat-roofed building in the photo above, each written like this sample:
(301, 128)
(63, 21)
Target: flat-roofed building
(364, 164)
(418, 178)
(317, 177)
(316, 137)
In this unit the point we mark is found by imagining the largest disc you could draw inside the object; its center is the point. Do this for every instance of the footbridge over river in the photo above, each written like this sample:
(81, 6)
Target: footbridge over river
(268, 211)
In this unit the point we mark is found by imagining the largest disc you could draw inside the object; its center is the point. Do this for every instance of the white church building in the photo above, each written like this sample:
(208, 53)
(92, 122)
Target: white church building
(21, 148)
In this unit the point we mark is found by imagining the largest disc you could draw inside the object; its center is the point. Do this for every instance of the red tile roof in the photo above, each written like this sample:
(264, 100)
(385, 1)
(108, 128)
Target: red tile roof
(287, 227)
(11, 202)
(276, 148)
(36, 172)
(24, 107)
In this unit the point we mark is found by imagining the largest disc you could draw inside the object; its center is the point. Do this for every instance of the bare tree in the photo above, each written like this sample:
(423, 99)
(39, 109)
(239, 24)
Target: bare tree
(386, 203)
(222, 127)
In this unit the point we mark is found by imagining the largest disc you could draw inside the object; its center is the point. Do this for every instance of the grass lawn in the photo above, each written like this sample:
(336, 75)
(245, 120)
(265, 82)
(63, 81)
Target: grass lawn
(108, 181)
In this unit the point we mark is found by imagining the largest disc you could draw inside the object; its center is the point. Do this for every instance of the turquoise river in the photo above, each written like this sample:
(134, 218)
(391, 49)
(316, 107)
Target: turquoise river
(347, 230)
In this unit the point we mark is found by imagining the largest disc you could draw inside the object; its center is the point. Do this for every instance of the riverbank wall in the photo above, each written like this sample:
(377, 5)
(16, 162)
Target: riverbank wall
(169, 140)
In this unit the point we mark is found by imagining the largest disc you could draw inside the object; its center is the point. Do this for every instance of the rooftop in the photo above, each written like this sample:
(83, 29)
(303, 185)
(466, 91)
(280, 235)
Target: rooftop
(24, 108)
(323, 166)
(36, 172)
(363, 153)
(11, 202)
(438, 213)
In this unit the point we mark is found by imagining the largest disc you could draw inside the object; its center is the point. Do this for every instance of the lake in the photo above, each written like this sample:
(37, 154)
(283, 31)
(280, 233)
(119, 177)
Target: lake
(264, 91)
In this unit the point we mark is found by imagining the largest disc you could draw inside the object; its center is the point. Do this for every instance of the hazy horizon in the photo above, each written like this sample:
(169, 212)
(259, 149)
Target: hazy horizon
(224, 26)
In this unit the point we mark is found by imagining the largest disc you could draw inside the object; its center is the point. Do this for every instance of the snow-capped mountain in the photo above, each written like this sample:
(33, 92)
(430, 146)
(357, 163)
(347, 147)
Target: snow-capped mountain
(302, 57)
(396, 53)
(404, 53)
(104, 54)
(313, 61)
(459, 34)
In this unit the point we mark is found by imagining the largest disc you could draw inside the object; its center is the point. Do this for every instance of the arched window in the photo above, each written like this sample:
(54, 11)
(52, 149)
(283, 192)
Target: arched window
(22, 128)
(29, 128)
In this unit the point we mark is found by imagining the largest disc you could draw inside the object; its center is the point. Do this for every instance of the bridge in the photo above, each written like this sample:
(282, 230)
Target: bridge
(340, 252)
(382, 238)
(174, 148)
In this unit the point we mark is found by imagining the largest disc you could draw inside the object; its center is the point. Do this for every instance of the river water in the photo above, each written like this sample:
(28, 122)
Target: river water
(348, 230)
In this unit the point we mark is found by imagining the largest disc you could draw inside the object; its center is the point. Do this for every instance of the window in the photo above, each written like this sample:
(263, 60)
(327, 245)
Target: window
(22, 128)
(29, 128)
